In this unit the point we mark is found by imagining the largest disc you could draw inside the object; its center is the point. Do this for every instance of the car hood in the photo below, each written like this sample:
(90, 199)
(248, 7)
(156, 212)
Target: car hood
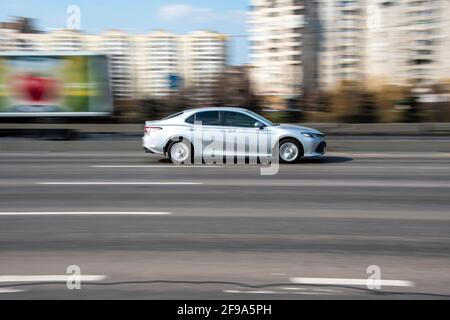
(296, 127)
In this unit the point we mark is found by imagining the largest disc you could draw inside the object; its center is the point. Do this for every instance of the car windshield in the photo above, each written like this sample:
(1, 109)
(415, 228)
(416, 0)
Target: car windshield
(262, 119)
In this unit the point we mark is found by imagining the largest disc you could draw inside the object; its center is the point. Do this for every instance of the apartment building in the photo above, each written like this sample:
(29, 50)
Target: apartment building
(412, 41)
(8, 40)
(382, 44)
(277, 29)
(342, 41)
(157, 61)
(58, 40)
(204, 61)
(119, 46)
(402, 42)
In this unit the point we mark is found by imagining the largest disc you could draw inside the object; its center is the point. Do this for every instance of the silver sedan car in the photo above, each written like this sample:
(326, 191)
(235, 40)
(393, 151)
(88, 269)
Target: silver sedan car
(229, 132)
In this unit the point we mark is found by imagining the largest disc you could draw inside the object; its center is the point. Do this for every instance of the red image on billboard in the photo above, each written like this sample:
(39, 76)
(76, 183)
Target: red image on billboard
(35, 90)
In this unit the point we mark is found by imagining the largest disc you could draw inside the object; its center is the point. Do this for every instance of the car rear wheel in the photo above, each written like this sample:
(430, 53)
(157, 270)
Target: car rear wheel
(291, 151)
(180, 152)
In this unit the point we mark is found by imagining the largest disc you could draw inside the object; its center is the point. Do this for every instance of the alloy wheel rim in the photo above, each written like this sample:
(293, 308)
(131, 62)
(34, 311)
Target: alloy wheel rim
(289, 151)
(179, 152)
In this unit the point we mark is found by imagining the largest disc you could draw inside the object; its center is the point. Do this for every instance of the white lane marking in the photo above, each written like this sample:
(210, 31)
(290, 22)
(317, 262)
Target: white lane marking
(274, 292)
(71, 155)
(376, 183)
(389, 155)
(83, 213)
(311, 289)
(231, 291)
(263, 292)
(267, 183)
(11, 290)
(351, 282)
(333, 184)
(254, 292)
(50, 278)
(118, 183)
(313, 293)
(156, 167)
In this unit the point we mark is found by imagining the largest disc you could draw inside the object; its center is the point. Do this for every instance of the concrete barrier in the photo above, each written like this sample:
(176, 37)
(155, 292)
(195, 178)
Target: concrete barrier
(423, 137)
(336, 144)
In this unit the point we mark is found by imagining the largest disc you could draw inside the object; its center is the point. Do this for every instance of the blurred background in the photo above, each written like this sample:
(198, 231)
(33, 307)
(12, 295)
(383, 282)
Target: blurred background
(349, 61)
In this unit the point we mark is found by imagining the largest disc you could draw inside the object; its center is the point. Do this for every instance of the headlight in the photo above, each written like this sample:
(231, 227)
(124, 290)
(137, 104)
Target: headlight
(313, 135)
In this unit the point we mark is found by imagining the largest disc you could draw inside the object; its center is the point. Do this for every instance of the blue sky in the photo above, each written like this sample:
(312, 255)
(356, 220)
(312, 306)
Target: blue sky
(139, 16)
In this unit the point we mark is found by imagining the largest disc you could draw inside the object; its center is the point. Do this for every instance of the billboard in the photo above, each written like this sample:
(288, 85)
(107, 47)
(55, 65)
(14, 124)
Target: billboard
(54, 85)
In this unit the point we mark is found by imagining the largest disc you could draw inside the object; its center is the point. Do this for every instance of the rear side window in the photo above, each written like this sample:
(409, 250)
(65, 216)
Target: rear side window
(191, 119)
(237, 119)
(208, 118)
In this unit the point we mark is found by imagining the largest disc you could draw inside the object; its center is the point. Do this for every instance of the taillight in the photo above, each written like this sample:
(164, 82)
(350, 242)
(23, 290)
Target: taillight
(149, 130)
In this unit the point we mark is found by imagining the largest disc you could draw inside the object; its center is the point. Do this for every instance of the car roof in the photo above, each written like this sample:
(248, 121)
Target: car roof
(215, 109)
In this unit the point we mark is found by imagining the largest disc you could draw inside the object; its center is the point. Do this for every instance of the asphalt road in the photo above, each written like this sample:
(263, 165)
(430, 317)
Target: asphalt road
(155, 231)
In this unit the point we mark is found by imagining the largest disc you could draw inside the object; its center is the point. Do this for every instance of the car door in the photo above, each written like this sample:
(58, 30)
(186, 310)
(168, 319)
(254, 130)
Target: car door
(240, 130)
(208, 133)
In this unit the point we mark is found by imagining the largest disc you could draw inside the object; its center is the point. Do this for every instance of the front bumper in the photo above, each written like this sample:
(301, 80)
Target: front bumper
(315, 149)
(321, 147)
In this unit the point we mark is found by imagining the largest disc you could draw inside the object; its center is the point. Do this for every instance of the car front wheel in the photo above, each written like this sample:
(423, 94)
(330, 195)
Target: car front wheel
(291, 151)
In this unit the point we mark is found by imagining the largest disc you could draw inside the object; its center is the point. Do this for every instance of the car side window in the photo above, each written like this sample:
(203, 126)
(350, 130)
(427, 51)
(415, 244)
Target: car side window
(237, 119)
(208, 118)
(191, 119)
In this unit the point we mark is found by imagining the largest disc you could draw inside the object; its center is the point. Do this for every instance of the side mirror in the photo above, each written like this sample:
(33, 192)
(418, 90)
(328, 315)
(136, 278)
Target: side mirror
(259, 125)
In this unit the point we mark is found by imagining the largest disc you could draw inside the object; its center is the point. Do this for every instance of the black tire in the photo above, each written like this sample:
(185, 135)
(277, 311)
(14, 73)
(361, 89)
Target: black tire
(189, 158)
(300, 152)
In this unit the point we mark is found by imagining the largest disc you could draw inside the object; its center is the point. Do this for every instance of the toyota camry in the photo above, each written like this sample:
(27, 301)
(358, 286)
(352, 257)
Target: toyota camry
(229, 132)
